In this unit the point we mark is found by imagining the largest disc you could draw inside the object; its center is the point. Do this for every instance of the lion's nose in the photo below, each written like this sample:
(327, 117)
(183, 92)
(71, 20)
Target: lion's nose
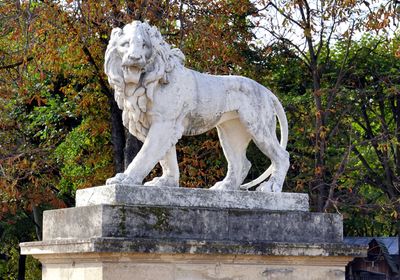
(134, 57)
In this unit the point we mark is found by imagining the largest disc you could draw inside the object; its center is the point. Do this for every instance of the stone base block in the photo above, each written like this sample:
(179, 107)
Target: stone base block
(191, 223)
(133, 232)
(185, 197)
(172, 267)
(96, 259)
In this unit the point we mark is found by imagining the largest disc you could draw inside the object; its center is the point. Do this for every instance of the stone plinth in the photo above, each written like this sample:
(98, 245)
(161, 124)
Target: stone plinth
(122, 232)
(188, 260)
(191, 223)
(183, 197)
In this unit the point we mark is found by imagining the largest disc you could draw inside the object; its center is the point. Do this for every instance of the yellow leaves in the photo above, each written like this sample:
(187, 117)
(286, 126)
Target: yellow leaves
(323, 132)
(384, 147)
(349, 3)
(23, 164)
(87, 101)
(300, 185)
(318, 92)
(379, 19)
(201, 161)
(4, 208)
(397, 53)
(307, 32)
(42, 75)
(16, 35)
(318, 171)
(40, 100)
(95, 127)
(7, 208)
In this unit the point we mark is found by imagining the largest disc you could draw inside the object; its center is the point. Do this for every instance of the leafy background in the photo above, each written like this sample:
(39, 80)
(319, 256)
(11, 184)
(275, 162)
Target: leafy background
(333, 64)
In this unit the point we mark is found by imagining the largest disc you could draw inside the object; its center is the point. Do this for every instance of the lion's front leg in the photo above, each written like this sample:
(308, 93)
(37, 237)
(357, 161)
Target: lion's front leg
(170, 171)
(160, 138)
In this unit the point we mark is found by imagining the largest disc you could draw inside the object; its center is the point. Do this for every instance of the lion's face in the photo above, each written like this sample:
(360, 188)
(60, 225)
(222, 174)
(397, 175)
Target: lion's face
(137, 56)
(134, 47)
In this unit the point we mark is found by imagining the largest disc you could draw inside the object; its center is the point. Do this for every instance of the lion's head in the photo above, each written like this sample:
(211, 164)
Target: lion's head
(137, 56)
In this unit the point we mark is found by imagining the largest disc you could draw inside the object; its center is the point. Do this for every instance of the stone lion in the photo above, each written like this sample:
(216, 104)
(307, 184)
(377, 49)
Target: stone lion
(162, 100)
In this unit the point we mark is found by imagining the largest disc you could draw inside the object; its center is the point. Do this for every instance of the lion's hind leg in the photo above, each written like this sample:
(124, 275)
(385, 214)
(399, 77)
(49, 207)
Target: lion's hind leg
(269, 145)
(170, 171)
(234, 140)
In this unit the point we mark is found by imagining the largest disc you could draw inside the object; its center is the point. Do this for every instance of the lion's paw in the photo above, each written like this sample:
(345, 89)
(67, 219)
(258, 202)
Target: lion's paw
(224, 186)
(169, 182)
(117, 179)
(270, 186)
(130, 181)
(121, 178)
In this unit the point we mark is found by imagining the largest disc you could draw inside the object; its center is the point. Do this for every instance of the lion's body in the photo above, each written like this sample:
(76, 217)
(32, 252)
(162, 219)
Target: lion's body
(161, 106)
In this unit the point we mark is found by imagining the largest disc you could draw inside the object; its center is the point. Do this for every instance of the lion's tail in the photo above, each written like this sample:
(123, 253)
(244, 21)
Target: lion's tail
(280, 113)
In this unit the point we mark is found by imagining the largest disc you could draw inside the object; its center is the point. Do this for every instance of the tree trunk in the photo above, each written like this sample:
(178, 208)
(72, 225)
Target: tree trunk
(397, 130)
(117, 135)
(21, 266)
(132, 147)
(37, 218)
(125, 145)
(320, 142)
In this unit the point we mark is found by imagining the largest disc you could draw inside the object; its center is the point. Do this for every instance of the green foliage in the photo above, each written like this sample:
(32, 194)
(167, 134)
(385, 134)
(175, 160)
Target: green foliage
(364, 119)
(14, 229)
(8, 269)
(373, 84)
(85, 156)
(45, 123)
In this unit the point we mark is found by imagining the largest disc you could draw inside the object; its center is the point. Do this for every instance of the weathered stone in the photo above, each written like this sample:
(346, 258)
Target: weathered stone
(145, 259)
(189, 247)
(162, 100)
(185, 197)
(200, 237)
(191, 223)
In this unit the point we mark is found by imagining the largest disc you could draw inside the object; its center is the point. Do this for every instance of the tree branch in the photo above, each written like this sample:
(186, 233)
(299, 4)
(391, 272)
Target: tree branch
(338, 173)
(285, 15)
(303, 56)
(364, 161)
(9, 66)
(341, 71)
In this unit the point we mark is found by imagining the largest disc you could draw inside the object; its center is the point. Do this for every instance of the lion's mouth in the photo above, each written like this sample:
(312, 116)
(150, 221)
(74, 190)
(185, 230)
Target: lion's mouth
(131, 74)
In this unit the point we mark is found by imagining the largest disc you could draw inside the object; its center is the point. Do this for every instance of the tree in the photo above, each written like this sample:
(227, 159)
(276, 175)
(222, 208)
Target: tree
(372, 83)
(308, 29)
(60, 127)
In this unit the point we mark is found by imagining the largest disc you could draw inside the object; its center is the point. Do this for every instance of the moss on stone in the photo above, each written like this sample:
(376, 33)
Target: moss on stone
(122, 223)
(162, 216)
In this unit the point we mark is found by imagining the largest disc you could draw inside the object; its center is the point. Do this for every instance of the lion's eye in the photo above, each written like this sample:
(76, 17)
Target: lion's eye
(144, 45)
(125, 44)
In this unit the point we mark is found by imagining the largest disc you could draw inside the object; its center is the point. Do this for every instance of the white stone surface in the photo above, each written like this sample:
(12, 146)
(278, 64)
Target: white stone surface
(185, 197)
(162, 100)
(193, 271)
(109, 266)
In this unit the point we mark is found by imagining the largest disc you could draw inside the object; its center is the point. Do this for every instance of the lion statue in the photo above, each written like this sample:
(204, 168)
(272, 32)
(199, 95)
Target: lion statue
(161, 100)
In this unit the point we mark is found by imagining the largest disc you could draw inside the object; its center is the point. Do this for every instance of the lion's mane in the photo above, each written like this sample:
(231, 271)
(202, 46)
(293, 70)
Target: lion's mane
(134, 98)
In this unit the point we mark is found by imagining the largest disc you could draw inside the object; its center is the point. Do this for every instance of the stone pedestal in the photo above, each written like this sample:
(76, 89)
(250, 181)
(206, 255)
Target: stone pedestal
(134, 232)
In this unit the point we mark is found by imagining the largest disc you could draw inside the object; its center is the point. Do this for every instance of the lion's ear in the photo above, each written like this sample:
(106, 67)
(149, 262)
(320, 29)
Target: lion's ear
(115, 33)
